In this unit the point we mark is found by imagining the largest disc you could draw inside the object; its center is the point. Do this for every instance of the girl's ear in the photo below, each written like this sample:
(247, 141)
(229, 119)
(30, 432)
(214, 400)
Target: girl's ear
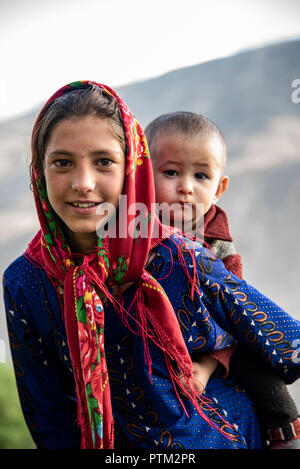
(222, 186)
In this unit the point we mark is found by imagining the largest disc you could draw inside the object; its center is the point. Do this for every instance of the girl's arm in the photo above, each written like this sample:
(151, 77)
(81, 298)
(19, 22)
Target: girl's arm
(251, 317)
(45, 393)
(218, 361)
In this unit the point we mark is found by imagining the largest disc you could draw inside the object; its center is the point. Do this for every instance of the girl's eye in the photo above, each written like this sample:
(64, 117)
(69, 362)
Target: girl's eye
(106, 162)
(170, 172)
(62, 163)
(201, 176)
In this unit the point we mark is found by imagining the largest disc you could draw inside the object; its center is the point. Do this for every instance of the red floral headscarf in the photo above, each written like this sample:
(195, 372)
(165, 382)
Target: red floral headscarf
(116, 261)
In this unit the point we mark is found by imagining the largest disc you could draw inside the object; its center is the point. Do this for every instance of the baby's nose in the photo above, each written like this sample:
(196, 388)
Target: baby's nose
(186, 186)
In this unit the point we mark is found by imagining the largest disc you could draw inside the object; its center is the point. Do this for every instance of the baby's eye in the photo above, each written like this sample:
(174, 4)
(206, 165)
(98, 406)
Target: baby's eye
(62, 163)
(170, 172)
(200, 176)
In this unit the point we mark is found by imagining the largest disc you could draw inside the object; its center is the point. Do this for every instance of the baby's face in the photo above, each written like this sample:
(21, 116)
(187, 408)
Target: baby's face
(188, 170)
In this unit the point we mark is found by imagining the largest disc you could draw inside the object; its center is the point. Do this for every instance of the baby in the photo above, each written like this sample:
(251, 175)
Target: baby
(188, 155)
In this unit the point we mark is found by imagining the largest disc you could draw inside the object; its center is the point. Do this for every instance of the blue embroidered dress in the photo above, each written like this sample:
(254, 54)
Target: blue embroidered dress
(147, 410)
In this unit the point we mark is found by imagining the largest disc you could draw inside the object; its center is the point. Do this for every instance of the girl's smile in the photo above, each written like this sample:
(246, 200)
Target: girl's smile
(84, 167)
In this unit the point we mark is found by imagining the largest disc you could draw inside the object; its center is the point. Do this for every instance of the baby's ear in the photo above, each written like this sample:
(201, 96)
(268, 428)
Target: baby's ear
(222, 186)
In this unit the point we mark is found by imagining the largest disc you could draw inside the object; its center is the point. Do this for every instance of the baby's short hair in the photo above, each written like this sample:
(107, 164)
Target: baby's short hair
(188, 124)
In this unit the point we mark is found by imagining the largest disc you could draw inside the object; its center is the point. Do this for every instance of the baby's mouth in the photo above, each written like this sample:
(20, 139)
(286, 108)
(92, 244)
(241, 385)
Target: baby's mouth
(184, 204)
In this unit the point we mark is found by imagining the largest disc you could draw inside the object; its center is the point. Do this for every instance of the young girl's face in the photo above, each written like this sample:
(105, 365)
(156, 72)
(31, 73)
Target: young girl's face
(188, 170)
(84, 167)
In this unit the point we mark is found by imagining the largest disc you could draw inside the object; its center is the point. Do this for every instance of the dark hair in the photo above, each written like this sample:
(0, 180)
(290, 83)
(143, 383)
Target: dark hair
(188, 124)
(79, 103)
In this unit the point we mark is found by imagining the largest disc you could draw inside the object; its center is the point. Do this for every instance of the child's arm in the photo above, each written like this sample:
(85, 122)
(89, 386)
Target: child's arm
(223, 358)
(203, 367)
(206, 364)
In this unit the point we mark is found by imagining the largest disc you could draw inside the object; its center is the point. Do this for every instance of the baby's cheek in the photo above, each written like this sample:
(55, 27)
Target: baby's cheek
(161, 191)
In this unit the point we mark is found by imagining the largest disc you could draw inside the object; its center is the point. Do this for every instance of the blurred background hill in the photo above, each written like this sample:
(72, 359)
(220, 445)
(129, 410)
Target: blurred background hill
(248, 95)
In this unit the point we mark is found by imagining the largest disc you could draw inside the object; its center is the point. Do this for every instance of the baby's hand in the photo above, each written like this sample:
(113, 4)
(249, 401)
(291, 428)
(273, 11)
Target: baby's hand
(203, 368)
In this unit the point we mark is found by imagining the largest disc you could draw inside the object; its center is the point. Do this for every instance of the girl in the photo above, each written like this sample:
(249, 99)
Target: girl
(158, 298)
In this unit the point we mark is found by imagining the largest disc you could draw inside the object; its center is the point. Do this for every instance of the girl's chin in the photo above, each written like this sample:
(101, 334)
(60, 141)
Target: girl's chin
(77, 231)
(82, 230)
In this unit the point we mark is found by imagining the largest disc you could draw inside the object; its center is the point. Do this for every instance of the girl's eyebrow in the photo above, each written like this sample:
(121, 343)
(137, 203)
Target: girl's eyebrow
(59, 152)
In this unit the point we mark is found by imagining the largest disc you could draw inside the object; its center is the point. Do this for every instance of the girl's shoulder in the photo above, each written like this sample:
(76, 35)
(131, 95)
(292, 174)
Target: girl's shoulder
(21, 273)
(179, 258)
(173, 248)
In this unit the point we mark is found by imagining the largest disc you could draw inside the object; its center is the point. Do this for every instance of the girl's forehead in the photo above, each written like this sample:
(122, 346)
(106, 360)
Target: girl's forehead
(83, 136)
(88, 130)
(88, 120)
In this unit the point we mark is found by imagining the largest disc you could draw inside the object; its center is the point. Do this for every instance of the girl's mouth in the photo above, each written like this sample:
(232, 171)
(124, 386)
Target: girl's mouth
(83, 208)
(83, 204)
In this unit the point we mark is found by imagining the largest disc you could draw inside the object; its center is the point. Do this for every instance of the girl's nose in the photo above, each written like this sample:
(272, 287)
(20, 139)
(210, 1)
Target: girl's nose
(83, 179)
(185, 186)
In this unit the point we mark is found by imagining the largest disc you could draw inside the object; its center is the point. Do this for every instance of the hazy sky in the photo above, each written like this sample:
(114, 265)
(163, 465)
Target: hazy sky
(45, 44)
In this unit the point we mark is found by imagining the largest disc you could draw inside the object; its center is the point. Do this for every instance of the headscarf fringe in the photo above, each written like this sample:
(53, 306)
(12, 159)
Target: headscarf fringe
(146, 326)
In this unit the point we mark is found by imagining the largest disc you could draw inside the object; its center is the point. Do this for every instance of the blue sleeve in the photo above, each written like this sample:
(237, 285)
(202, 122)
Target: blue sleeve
(251, 317)
(202, 334)
(45, 391)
